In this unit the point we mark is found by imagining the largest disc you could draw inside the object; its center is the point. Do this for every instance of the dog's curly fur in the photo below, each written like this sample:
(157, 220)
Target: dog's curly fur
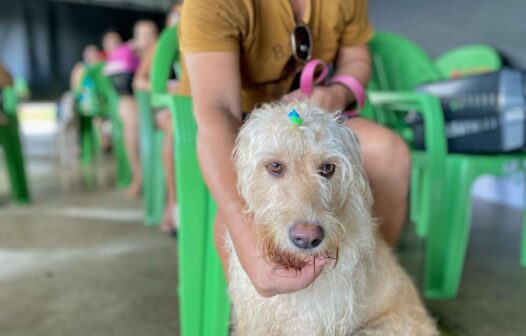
(364, 291)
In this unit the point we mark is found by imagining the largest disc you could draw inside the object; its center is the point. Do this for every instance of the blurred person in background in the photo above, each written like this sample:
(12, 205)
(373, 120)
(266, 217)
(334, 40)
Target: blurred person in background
(68, 141)
(163, 121)
(90, 56)
(111, 39)
(121, 64)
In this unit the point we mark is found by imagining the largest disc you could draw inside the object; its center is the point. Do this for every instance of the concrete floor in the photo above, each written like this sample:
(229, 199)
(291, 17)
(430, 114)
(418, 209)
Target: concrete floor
(79, 262)
(82, 263)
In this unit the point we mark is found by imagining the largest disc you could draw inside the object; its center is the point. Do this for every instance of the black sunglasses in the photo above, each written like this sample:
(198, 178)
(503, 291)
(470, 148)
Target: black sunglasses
(301, 39)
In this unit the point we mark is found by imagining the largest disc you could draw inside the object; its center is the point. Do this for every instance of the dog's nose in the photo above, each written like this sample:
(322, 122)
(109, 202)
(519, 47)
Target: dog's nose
(306, 236)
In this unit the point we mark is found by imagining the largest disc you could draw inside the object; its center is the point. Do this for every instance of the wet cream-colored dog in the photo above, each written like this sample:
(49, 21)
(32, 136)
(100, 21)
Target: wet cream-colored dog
(305, 187)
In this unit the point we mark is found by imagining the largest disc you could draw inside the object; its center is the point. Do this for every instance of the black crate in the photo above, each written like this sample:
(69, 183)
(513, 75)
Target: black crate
(483, 113)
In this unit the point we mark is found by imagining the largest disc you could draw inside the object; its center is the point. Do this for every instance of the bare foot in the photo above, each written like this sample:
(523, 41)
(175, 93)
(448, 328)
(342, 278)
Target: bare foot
(134, 190)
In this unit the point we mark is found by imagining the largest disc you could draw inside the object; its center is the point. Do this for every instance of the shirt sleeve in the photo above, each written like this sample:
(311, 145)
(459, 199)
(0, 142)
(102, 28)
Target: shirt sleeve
(358, 29)
(212, 25)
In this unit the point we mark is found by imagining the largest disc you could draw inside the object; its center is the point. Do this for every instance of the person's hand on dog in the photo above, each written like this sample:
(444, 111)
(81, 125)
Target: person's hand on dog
(270, 279)
(332, 98)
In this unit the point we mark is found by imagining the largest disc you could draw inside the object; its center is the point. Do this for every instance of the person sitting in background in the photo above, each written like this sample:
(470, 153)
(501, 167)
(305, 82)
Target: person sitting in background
(68, 127)
(111, 39)
(90, 56)
(121, 64)
(163, 121)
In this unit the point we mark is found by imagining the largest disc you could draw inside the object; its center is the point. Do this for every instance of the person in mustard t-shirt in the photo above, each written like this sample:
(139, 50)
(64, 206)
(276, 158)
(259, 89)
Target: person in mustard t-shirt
(240, 53)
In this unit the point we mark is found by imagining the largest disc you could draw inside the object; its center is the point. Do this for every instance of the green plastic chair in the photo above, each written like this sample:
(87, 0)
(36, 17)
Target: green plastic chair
(10, 141)
(393, 74)
(151, 141)
(468, 60)
(441, 181)
(111, 101)
(89, 104)
(203, 299)
(21, 88)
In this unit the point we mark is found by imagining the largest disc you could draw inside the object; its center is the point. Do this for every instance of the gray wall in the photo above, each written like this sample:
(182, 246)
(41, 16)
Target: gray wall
(42, 40)
(439, 25)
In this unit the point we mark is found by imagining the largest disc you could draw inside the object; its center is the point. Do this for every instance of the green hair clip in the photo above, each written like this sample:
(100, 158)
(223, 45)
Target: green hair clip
(295, 118)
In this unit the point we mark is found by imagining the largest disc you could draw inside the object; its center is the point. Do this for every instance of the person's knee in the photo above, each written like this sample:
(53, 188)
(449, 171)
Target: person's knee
(389, 157)
(163, 121)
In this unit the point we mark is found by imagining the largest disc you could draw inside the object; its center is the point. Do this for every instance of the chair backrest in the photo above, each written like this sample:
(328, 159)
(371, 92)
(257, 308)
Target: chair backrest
(468, 60)
(166, 55)
(398, 64)
(94, 74)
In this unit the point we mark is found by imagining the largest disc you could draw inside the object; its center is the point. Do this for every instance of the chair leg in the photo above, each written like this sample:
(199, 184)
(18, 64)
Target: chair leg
(87, 141)
(216, 300)
(124, 174)
(523, 242)
(159, 180)
(15, 163)
(193, 208)
(419, 205)
(447, 241)
(416, 200)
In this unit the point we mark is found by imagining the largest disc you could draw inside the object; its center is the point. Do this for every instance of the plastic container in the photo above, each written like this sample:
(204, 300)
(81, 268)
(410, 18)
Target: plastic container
(483, 113)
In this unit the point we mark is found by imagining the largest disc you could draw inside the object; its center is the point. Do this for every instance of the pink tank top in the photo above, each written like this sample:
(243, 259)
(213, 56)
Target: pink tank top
(121, 60)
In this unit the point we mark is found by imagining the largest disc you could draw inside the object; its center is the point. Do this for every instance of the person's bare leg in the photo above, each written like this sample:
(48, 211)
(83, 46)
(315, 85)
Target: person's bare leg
(105, 140)
(387, 163)
(128, 113)
(164, 123)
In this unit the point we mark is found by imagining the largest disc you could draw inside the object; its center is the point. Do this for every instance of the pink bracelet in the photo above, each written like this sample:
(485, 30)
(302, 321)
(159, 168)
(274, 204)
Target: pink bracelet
(354, 86)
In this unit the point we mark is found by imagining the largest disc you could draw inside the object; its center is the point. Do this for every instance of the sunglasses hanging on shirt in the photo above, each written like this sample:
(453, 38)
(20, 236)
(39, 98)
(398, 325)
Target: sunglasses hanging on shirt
(301, 40)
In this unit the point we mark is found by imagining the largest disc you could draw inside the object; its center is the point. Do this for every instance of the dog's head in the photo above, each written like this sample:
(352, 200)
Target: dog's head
(303, 184)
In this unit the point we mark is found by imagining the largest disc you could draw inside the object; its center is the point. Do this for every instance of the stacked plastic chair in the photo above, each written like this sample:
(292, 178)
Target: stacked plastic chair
(10, 141)
(441, 181)
(89, 104)
(203, 299)
(111, 101)
(151, 141)
(468, 60)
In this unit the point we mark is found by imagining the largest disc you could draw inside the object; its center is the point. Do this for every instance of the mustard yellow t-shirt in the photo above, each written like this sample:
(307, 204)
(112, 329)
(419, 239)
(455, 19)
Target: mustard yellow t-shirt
(259, 31)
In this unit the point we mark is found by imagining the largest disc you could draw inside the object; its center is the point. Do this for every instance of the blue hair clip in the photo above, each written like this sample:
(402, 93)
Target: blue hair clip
(295, 118)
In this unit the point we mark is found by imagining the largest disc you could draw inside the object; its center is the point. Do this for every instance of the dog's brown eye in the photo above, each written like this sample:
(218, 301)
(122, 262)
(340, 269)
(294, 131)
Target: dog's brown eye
(327, 170)
(275, 168)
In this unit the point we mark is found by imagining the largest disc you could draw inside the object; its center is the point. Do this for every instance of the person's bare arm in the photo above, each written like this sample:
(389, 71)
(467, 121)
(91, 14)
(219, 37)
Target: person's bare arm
(216, 92)
(5, 77)
(351, 61)
(141, 80)
(76, 76)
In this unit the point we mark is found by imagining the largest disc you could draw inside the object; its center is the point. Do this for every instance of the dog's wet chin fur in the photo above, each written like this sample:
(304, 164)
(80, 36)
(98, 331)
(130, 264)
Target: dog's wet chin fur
(362, 290)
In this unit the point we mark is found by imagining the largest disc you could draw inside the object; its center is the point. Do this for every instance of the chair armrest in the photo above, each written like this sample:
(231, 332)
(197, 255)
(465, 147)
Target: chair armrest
(183, 122)
(426, 105)
(10, 100)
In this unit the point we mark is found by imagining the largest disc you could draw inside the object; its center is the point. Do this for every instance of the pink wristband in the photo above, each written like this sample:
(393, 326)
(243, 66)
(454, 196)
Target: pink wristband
(354, 86)
(308, 79)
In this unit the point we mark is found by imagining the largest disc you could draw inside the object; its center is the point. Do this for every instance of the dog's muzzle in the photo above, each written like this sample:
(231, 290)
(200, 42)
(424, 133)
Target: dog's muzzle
(306, 236)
